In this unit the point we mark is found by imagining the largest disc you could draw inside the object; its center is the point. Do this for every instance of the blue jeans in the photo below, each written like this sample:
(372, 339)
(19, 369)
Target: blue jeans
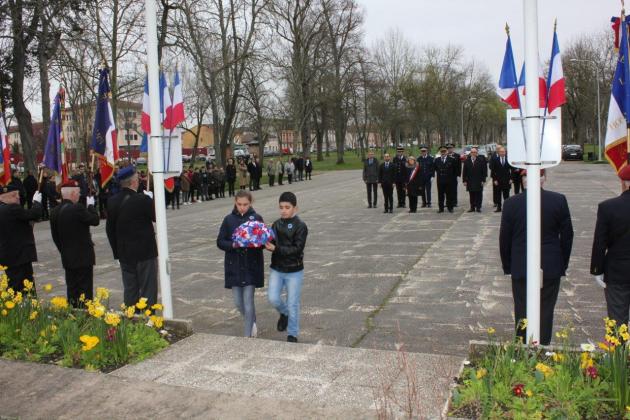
(244, 301)
(291, 307)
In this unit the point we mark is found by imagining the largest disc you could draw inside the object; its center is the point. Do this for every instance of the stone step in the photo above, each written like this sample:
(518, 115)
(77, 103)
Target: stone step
(353, 380)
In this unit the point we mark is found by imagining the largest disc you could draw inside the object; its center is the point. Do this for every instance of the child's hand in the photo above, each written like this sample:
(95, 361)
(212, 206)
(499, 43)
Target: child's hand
(270, 247)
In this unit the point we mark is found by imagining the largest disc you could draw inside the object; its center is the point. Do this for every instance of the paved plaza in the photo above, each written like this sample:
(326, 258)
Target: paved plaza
(372, 280)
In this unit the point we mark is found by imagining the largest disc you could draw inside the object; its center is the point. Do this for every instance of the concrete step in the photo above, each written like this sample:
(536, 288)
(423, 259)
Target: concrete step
(354, 381)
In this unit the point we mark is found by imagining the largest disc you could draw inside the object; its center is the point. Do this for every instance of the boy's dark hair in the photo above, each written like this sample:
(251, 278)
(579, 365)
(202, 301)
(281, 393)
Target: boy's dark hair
(288, 197)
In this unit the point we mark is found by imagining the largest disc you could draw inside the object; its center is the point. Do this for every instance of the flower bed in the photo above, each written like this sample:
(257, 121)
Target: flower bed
(513, 381)
(96, 338)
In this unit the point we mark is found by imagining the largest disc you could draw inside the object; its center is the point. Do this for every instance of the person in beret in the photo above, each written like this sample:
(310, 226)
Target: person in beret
(426, 162)
(445, 174)
(70, 224)
(610, 257)
(17, 243)
(129, 227)
(400, 176)
(556, 243)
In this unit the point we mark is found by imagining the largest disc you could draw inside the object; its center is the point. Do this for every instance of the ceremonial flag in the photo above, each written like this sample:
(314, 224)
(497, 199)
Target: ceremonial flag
(175, 112)
(54, 153)
(104, 143)
(165, 98)
(617, 127)
(555, 81)
(508, 84)
(5, 153)
(145, 123)
(542, 85)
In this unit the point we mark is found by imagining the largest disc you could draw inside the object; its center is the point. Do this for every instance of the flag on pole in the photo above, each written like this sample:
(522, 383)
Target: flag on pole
(54, 158)
(165, 98)
(104, 142)
(508, 84)
(175, 111)
(5, 152)
(617, 127)
(542, 85)
(556, 95)
(145, 123)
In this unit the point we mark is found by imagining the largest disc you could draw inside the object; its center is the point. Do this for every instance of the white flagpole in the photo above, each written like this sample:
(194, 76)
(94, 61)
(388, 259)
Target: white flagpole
(156, 152)
(532, 115)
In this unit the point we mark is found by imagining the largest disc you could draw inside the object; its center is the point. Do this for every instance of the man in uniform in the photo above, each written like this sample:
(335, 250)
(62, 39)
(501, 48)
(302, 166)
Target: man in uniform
(556, 243)
(501, 173)
(611, 247)
(400, 175)
(426, 162)
(17, 243)
(386, 179)
(458, 171)
(130, 217)
(70, 228)
(446, 175)
(474, 176)
(370, 177)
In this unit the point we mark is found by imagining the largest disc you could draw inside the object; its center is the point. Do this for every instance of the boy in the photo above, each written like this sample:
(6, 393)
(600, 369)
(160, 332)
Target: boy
(287, 265)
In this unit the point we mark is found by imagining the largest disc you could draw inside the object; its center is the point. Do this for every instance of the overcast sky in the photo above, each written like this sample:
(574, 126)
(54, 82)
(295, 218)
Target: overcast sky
(478, 25)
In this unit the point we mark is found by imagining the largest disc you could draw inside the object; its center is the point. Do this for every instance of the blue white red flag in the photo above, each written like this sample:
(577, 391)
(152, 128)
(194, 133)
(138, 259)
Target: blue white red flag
(542, 85)
(175, 112)
(104, 142)
(145, 123)
(556, 95)
(5, 153)
(508, 83)
(54, 158)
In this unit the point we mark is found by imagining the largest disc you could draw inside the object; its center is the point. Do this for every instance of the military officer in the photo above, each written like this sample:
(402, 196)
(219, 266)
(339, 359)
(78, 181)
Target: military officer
(400, 175)
(446, 175)
(386, 179)
(17, 243)
(458, 171)
(426, 162)
(130, 217)
(70, 228)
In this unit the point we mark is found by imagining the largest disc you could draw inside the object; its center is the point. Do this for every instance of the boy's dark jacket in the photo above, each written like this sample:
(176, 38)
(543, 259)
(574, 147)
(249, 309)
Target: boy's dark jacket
(288, 257)
(243, 266)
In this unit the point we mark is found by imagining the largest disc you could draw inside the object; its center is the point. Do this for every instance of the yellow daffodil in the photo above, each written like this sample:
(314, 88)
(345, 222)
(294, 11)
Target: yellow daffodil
(4, 312)
(157, 321)
(558, 357)
(82, 297)
(53, 328)
(523, 324)
(491, 330)
(586, 361)
(96, 310)
(481, 373)
(4, 295)
(48, 287)
(28, 285)
(123, 306)
(142, 303)
(112, 319)
(544, 369)
(33, 315)
(9, 304)
(147, 312)
(102, 293)
(157, 307)
(130, 312)
(89, 342)
(59, 302)
(18, 298)
(529, 393)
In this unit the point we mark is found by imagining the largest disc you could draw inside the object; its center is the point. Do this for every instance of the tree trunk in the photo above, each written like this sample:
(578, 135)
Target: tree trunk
(42, 61)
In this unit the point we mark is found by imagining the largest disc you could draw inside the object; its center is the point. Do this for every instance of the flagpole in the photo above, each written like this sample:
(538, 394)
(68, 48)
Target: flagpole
(155, 144)
(62, 106)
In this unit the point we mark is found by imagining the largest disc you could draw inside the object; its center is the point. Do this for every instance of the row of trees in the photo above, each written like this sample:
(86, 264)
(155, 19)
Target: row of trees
(269, 65)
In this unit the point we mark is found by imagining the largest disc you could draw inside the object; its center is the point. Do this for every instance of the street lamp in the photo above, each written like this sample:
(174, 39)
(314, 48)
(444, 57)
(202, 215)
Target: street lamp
(599, 107)
(464, 102)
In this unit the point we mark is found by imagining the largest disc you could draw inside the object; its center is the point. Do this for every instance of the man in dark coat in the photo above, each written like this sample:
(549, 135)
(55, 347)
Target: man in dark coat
(556, 244)
(370, 177)
(17, 182)
(501, 173)
(458, 171)
(81, 178)
(386, 174)
(610, 259)
(30, 186)
(427, 169)
(308, 167)
(130, 217)
(401, 176)
(516, 180)
(299, 167)
(474, 177)
(17, 243)
(446, 175)
(70, 228)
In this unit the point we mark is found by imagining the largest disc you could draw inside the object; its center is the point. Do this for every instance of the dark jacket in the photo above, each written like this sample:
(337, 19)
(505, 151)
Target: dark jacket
(458, 164)
(556, 235)
(30, 185)
(427, 166)
(401, 174)
(415, 183)
(445, 172)
(611, 241)
(17, 243)
(502, 174)
(230, 173)
(288, 257)
(308, 165)
(370, 171)
(130, 217)
(387, 173)
(17, 182)
(475, 175)
(243, 266)
(70, 228)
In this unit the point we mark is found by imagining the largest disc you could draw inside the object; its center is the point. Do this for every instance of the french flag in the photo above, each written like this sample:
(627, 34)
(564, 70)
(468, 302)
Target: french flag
(5, 153)
(542, 86)
(556, 96)
(104, 139)
(508, 84)
(145, 122)
(165, 100)
(175, 112)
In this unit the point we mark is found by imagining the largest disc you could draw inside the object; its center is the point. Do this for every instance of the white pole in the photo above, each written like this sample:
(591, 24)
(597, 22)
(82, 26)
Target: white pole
(532, 114)
(155, 153)
(599, 114)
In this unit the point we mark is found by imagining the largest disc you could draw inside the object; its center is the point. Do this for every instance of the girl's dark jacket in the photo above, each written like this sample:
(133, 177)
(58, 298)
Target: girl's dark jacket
(243, 266)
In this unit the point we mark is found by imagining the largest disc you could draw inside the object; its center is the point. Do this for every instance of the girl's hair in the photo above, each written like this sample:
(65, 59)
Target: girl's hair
(244, 194)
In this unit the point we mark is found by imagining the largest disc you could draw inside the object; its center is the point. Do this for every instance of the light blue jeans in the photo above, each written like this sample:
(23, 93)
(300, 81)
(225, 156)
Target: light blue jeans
(291, 307)
(244, 301)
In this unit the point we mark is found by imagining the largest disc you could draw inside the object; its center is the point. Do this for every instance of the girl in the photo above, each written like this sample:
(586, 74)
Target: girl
(244, 267)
